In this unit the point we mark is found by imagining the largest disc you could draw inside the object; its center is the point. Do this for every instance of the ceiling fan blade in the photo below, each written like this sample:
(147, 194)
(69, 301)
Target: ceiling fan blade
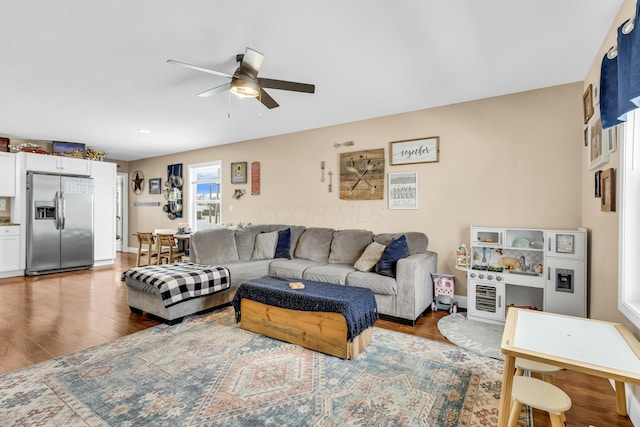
(285, 85)
(252, 60)
(267, 100)
(195, 67)
(216, 89)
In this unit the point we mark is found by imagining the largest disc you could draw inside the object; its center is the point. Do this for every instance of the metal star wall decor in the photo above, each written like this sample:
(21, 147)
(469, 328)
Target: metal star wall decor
(137, 182)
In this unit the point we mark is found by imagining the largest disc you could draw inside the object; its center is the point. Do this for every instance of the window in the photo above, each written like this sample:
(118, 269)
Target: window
(629, 231)
(205, 189)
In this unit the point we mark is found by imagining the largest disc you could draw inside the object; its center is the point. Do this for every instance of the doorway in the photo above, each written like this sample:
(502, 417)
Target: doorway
(122, 218)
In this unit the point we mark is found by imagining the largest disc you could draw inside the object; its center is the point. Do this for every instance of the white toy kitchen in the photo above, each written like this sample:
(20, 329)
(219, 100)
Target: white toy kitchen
(526, 267)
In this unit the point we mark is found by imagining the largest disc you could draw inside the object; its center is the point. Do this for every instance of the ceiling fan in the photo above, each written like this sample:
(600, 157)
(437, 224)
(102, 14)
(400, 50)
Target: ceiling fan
(245, 81)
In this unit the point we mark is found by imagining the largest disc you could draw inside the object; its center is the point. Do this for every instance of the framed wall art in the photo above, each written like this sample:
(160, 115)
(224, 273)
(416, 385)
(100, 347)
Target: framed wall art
(587, 104)
(155, 185)
(598, 154)
(239, 172)
(362, 175)
(610, 139)
(422, 150)
(608, 186)
(68, 149)
(403, 190)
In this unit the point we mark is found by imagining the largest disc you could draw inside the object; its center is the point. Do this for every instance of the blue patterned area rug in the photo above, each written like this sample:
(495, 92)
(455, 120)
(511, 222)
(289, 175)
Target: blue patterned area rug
(208, 372)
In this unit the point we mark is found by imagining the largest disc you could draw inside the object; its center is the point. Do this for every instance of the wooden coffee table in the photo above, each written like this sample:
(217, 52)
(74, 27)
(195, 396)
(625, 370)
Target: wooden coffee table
(323, 331)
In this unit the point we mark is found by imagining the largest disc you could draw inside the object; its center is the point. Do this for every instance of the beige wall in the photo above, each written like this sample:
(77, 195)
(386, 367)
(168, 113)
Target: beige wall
(513, 160)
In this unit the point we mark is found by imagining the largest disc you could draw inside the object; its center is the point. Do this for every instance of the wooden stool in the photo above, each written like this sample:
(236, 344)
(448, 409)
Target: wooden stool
(540, 395)
(547, 371)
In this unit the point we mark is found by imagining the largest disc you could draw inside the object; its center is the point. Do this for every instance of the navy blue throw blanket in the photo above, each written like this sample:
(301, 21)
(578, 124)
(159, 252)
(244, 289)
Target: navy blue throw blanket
(357, 305)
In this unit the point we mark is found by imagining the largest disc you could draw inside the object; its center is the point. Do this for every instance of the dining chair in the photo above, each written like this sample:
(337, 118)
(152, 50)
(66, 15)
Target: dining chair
(167, 248)
(146, 247)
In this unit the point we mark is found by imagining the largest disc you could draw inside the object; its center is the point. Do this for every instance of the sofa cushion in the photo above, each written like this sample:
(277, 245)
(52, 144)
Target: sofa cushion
(348, 245)
(381, 285)
(416, 241)
(395, 250)
(240, 271)
(370, 257)
(296, 231)
(265, 245)
(214, 247)
(314, 244)
(283, 246)
(246, 238)
(291, 268)
(329, 273)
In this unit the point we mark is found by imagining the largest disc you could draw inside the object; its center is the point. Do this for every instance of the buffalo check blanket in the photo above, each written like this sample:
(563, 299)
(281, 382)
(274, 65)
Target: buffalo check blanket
(181, 281)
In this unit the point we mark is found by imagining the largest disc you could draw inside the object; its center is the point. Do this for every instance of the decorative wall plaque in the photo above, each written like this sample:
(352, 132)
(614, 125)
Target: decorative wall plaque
(362, 175)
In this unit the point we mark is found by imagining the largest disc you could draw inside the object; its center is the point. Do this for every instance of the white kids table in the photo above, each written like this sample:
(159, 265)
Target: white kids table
(603, 349)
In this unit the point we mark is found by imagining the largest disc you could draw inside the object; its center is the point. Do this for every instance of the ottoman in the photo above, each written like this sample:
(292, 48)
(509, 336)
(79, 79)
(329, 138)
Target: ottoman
(329, 318)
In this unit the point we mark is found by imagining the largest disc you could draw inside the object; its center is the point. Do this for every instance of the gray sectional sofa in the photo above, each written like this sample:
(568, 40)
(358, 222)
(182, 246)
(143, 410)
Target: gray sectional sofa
(319, 254)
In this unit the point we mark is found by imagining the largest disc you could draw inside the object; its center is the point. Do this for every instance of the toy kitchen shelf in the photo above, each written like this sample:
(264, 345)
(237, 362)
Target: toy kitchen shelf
(526, 267)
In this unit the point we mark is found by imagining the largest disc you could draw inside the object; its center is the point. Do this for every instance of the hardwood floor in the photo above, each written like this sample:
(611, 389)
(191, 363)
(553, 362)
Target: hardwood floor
(48, 316)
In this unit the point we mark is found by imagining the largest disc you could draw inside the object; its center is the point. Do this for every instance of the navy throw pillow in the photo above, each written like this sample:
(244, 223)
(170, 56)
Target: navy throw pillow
(395, 250)
(283, 247)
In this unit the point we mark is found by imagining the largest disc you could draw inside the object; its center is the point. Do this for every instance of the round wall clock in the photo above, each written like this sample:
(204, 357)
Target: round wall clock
(137, 182)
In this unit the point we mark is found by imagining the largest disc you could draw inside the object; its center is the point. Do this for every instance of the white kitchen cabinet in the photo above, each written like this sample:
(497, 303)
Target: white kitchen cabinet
(57, 164)
(104, 212)
(7, 174)
(9, 248)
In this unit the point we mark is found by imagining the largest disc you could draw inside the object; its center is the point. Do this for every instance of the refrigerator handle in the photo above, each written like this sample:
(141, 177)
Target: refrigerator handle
(62, 215)
(548, 273)
(56, 202)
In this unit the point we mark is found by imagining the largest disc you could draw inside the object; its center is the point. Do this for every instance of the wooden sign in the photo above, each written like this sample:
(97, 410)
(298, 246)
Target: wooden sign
(255, 178)
(362, 175)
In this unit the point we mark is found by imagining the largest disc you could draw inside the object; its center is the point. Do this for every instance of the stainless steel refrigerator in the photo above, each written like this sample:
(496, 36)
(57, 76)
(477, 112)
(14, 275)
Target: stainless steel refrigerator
(60, 223)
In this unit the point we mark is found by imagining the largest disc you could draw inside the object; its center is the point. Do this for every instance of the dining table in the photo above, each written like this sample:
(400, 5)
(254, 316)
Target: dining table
(594, 347)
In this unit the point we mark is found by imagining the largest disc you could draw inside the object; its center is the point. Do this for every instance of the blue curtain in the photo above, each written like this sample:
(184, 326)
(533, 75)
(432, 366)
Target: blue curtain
(620, 77)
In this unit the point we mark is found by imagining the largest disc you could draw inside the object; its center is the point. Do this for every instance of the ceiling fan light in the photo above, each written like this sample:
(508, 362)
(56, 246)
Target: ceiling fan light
(244, 88)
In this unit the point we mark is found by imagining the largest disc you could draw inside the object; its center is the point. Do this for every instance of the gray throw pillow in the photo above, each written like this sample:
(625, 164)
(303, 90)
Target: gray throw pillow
(265, 246)
(370, 257)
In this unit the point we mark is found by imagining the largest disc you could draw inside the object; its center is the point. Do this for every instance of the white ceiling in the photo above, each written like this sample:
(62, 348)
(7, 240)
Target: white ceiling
(95, 71)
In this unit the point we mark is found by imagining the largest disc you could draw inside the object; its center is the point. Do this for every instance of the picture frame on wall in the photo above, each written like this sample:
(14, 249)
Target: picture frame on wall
(409, 151)
(587, 104)
(155, 185)
(403, 190)
(598, 153)
(610, 139)
(239, 172)
(608, 186)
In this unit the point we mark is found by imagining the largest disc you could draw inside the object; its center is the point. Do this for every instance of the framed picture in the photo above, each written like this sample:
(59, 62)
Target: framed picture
(598, 154)
(587, 104)
(564, 243)
(239, 172)
(423, 150)
(597, 189)
(608, 185)
(155, 185)
(610, 139)
(403, 190)
(68, 149)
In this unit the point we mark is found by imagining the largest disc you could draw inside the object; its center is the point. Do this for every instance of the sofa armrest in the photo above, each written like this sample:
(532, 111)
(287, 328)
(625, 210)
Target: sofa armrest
(415, 288)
